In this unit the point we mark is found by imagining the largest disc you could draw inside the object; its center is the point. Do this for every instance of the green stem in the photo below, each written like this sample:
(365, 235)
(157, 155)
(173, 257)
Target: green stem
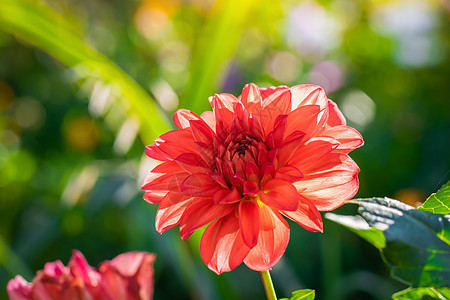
(268, 285)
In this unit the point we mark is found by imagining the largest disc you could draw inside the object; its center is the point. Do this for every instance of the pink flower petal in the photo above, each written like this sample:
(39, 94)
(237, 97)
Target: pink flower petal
(222, 247)
(335, 116)
(19, 289)
(312, 151)
(170, 211)
(249, 221)
(280, 195)
(79, 267)
(349, 138)
(251, 98)
(272, 241)
(308, 94)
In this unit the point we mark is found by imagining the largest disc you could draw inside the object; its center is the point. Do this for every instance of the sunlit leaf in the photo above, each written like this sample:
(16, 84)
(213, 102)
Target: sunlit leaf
(414, 251)
(359, 226)
(305, 294)
(439, 202)
(422, 294)
(41, 26)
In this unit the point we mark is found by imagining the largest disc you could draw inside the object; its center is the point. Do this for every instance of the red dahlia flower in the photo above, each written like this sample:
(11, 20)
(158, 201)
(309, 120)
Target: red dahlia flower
(269, 153)
(128, 276)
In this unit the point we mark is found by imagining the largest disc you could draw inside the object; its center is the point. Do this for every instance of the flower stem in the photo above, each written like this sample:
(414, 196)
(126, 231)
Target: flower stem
(268, 285)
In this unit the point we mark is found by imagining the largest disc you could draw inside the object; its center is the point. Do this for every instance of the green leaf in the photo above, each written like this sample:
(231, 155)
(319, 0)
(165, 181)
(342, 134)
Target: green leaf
(359, 226)
(305, 294)
(439, 202)
(422, 294)
(41, 26)
(414, 251)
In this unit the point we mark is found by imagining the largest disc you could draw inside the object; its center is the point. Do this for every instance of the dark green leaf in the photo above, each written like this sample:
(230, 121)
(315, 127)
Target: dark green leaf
(305, 294)
(439, 202)
(415, 251)
(422, 294)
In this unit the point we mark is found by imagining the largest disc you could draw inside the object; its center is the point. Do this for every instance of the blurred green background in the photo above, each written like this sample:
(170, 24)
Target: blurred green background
(73, 124)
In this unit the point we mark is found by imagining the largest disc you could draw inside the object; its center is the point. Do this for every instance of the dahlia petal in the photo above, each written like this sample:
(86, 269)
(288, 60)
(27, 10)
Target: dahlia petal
(278, 103)
(270, 93)
(207, 152)
(223, 107)
(227, 196)
(112, 285)
(199, 213)
(192, 163)
(199, 185)
(308, 94)
(176, 142)
(289, 173)
(182, 117)
(312, 151)
(79, 267)
(251, 171)
(19, 289)
(330, 198)
(307, 215)
(306, 119)
(335, 116)
(279, 129)
(201, 131)
(154, 196)
(251, 188)
(251, 98)
(170, 211)
(349, 138)
(153, 151)
(164, 182)
(208, 117)
(158, 178)
(280, 195)
(249, 221)
(222, 247)
(273, 239)
(287, 149)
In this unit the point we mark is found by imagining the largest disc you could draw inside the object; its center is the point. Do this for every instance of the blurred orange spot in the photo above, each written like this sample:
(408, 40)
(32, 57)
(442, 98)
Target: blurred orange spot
(6, 96)
(82, 134)
(413, 197)
(153, 17)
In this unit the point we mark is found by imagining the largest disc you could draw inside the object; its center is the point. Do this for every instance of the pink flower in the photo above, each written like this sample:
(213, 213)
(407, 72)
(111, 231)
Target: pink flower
(269, 153)
(128, 276)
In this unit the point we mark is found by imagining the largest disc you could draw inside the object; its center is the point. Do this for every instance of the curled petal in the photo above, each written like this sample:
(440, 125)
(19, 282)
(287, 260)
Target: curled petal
(335, 116)
(349, 138)
(280, 195)
(308, 94)
(223, 107)
(306, 215)
(289, 173)
(222, 247)
(19, 289)
(249, 221)
(251, 98)
(208, 117)
(199, 213)
(273, 239)
(182, 117)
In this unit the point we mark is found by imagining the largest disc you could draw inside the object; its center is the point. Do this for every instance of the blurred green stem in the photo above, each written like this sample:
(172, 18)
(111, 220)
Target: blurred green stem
(268, 285)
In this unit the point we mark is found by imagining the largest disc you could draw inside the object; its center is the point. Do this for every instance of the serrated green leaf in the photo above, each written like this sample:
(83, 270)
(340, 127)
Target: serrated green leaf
(359, 226)
(422, 294)
(305, 294)
(439, 202)
(415, 251)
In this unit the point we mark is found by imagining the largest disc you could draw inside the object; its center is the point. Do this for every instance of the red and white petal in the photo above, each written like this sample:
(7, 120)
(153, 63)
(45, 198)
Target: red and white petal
(199, 213)
(273, 239)
(349, 138)
(308, 94)
(251, 98)
(222, 247)
(307, 215)
(170, 211)
(182, 117)
(176, 142)
(279, 194)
